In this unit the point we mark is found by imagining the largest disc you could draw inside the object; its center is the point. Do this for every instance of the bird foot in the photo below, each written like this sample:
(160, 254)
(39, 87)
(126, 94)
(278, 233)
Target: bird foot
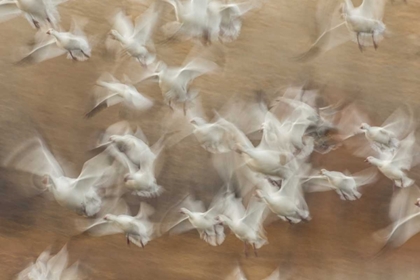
(128, 241)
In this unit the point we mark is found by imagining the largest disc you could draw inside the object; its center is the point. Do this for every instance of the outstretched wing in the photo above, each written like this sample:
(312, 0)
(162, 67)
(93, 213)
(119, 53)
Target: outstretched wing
(145, 24)
(195, 68)
(34, 157)
(331, 38)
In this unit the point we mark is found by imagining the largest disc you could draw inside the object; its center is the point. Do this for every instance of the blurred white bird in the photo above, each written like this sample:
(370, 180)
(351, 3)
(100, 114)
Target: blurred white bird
(345, 184)
(35, 11)
(141, 162)
(74, 43)
(359, 22)
(192, 20)
(381, 138)
(246, 225)
(82, 194)
(49, 267)
(225, 18)
(137, 229)
(135, 39)
(195, 216)
(174, 82)
(118, 92)
(395, 165)
(404, 212)
(288, 203)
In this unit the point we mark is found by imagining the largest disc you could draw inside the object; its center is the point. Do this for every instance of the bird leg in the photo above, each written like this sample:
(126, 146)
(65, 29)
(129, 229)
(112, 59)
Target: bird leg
(85, 54)
(246, 249)
(72, 56)
(358, 42)
(128, 240)
(49, 20)
(142, 245)
(402, 183)
(170, 104)
(374, 42)
(255, 250)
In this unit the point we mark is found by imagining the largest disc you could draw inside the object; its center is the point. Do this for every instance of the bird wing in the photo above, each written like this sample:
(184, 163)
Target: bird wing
(399, 122)
(103, 103)
(317, 184)
(365, 177)
(145, 24)
(71, 272)
(372, 9)
(123, 24)
(58, 263)
(195, 68)
(407, 154)
(255, 214)
(100, 227)
(118, 128)
(77, 26)
(34, 157)
(145, 211)
(177, 222)
(8, 10)
(43, 51)
(331, 38)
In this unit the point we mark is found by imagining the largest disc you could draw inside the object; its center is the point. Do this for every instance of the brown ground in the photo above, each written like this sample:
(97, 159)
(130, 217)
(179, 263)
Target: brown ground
(336, 244)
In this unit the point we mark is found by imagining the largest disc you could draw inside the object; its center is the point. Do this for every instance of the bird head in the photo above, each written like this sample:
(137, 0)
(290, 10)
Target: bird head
(50, 31)
(183, 211)
(114, 34)
(369, 160)
(127, 178)
(323, 171)
(364, 126)
(108, 217)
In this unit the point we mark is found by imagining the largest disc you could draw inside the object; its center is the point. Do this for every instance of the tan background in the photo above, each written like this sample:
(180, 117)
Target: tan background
(53, 96)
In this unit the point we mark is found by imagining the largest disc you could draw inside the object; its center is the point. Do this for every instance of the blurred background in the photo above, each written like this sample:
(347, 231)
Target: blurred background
(53, 97)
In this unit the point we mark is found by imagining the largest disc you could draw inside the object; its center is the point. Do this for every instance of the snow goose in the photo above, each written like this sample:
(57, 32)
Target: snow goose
(74, 43)
(246, 225)
(118, 92)
(288, 203)
(394, 165)
(365, 20)
(134, 39)
(137, 229)
(345, 184)
(35, 11)
(51, 267)
(82, 194)
(195, 216)
(174, 82)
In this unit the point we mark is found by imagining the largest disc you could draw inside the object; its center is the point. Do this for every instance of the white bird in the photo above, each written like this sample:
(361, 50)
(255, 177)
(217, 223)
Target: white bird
(137, 229)
(345, 184)
(395, 165)
(365, 20)
(141, 162)
(288, 203)
(35, 11)
(195, 216)
(74, 43)
(192, 20)
(135, 39)
(174, 82)
(118, 92)
(49, 267)
(384, 137)
(404, 212)
(82, 194)
(246, 225)
(226, 19)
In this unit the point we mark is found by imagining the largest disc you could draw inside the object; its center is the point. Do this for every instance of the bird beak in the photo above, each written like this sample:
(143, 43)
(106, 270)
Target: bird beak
(366, 160)
(417, 203)
(126, 178)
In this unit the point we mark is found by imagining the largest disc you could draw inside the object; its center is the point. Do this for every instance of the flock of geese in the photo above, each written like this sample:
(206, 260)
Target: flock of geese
(262, 150)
